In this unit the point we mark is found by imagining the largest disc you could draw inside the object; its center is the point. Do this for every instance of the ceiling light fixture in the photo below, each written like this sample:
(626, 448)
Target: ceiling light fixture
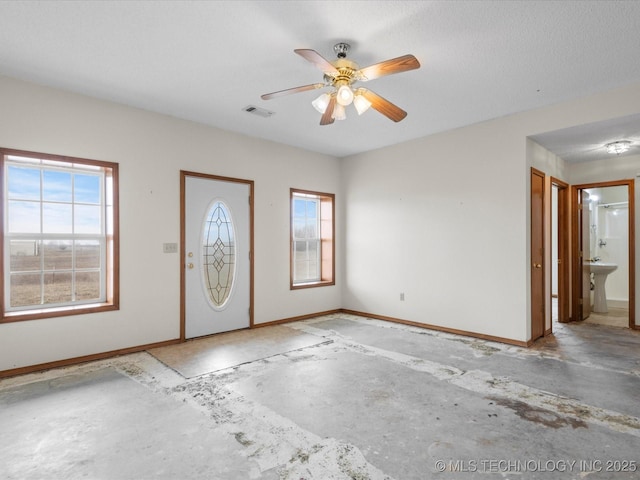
(618, 147)
(338, 112)
(345, 95)
(322, 102)
(360, 102)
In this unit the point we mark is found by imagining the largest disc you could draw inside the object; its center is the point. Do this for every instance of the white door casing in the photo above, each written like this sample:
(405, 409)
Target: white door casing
(215, 252)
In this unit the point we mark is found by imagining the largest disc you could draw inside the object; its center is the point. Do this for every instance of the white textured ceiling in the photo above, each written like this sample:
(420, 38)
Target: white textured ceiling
(206, 60)
(585, 143)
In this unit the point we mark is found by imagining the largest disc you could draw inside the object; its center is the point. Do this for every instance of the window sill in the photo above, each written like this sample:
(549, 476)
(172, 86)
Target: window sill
(299, 286)
(41, 313)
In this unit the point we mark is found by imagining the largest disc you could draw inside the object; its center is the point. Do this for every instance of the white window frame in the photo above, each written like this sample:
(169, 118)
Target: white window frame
(324, 239)
(106, 238)
(307, 240)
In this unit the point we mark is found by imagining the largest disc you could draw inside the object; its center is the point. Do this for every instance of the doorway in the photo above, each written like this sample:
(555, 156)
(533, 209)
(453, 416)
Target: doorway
(216, 243)
(560, 291)
(603, 288)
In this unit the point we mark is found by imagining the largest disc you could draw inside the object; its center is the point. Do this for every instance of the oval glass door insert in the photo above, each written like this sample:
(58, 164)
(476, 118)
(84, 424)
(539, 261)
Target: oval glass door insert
(219, 254)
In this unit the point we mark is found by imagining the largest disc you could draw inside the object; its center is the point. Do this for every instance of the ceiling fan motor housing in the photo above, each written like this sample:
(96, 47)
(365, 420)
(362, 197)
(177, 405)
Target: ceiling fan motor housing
(346, 72)
(341, 49)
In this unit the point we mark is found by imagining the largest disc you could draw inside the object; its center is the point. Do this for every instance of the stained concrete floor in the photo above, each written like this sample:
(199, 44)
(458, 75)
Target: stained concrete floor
(368, 400)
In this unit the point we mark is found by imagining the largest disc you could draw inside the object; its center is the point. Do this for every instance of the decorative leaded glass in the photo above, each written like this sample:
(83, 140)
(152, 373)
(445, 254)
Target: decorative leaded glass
(219, 254)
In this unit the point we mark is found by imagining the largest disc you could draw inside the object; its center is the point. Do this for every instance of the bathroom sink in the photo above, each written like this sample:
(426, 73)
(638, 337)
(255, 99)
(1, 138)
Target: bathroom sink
(600, 272)
(601, 267)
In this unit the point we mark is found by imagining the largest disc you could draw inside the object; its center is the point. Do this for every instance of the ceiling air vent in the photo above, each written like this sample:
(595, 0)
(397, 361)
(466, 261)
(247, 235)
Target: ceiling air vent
(261, 112)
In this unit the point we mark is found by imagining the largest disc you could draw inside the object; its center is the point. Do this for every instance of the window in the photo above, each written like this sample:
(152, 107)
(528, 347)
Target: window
(312, 243)
(219, 247)
(60, 236)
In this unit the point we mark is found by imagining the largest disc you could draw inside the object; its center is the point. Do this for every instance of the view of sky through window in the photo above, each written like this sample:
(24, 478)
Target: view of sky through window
(70, 201)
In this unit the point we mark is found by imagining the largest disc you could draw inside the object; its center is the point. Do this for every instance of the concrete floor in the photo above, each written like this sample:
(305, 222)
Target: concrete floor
(368, 400)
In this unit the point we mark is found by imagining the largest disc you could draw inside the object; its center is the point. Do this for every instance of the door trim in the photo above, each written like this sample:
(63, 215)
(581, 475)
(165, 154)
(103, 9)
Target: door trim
(535, 307)
(564, 260)
(183, 178)
(575, 257)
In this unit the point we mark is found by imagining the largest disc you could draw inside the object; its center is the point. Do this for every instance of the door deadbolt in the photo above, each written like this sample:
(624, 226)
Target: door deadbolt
(190, 254)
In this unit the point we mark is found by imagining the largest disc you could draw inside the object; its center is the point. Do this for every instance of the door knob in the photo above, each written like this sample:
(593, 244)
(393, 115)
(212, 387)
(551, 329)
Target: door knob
(190, 265)
(537, 265)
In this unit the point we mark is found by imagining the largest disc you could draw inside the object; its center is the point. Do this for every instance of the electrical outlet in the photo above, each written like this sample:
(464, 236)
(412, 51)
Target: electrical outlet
(402, 297)
(170, 248)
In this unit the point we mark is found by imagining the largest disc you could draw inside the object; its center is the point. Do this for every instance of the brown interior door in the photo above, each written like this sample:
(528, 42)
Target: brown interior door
(537, 254)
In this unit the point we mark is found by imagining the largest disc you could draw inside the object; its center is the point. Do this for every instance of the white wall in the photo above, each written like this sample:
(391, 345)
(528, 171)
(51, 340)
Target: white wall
(151, 149)
(440, 219)
(445, 219)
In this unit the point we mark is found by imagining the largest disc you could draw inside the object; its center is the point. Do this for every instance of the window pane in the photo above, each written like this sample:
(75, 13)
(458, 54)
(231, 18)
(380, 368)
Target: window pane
(305, 261)
(87, 285)
(56, 218)
(88, 254)
(218, 247)
(57, 287)
(56, 186)
(25, 289)
(23, 183)
(58, 255)
(312, 208)
(299, 207)
(87, 219)
(299, 228)
(311, 230)
(86, 189)
(24, 255)
(24, 217)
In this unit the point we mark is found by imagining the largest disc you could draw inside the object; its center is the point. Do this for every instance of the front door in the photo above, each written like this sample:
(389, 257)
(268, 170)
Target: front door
(216, 229)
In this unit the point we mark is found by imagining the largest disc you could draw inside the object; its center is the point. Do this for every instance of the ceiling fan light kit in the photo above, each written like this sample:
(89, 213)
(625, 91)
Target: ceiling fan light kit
(345, 95)
(360, 102)
(322, 102)
(340, 76)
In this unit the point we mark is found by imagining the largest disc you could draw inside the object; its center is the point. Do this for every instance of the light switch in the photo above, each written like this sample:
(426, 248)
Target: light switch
(170, 247)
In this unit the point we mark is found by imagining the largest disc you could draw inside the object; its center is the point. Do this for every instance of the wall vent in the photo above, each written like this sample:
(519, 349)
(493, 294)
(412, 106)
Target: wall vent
(261, 112)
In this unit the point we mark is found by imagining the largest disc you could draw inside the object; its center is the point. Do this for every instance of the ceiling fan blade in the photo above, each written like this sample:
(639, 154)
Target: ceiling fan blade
(317, 59)
(389, 67)
(327, 118)
(289, 91)
(384, 106)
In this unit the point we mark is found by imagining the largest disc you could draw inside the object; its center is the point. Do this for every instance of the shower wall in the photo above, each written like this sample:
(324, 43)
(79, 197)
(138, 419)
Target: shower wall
(610, 240)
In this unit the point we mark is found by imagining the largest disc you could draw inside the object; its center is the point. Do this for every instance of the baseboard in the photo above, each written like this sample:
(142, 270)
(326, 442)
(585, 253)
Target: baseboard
(84, 359)
(614, 303)
(439, 328)
(296, 319)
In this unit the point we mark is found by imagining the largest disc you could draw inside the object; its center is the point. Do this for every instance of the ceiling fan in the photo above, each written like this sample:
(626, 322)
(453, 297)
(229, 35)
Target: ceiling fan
(340, 75)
